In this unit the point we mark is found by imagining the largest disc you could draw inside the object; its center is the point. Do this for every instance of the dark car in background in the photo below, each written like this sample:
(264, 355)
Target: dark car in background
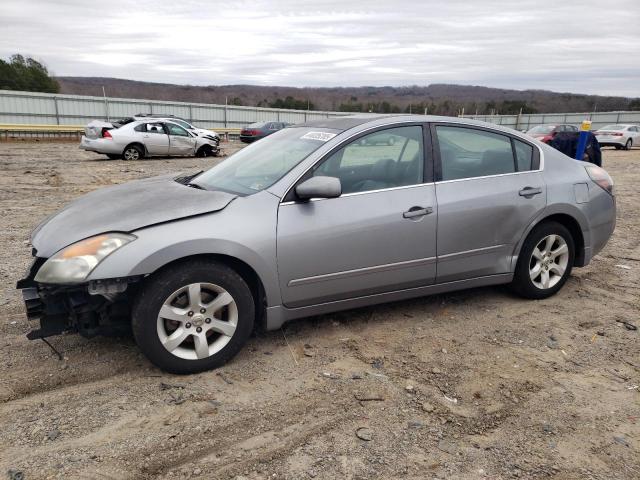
(546, 133)
(258, 130)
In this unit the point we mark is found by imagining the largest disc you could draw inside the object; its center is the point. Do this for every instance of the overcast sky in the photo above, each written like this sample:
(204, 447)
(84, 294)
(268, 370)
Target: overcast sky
(587, 46)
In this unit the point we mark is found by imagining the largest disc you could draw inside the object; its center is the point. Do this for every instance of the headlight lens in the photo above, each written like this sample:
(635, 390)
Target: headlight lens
(74, 263)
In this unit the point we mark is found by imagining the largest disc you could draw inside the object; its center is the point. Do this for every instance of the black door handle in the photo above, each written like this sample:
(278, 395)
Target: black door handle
(417, 212)
(529, 192)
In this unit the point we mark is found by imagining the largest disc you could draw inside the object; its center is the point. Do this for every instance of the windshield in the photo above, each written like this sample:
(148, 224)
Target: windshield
(182, 123)
(263, 163)
(612, 127)
(542, 129)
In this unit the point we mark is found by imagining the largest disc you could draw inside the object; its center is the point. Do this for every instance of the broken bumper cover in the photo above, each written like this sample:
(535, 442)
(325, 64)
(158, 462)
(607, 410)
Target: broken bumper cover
(95, 308)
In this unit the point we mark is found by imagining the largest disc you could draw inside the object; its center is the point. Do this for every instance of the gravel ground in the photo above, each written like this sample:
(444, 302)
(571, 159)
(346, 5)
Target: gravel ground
(475, 384)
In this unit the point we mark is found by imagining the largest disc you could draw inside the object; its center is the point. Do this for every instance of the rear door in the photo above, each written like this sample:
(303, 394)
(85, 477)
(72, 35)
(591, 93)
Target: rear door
(489, 189)
(180, 141)
(154, 137)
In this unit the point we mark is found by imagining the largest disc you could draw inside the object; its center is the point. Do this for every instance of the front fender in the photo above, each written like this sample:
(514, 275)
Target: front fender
(245, 230)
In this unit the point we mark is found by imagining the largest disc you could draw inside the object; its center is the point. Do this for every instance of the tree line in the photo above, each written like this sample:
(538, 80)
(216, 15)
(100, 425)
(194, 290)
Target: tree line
(26, 74)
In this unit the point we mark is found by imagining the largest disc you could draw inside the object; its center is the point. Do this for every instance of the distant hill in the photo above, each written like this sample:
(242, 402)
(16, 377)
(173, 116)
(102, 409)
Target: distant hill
(437, 98)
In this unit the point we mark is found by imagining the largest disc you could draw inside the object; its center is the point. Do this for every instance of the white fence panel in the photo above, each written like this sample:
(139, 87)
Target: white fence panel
(46, 108)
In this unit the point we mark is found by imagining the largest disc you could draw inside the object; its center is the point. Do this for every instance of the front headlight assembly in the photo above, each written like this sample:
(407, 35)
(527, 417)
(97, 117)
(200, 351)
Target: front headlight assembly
(74, 263)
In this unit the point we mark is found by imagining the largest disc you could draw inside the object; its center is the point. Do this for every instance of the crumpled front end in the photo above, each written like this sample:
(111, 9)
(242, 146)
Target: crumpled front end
(93, 308)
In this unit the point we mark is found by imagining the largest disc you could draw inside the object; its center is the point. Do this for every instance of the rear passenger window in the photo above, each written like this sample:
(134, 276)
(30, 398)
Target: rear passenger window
(524, 155)
(468, 152)
(141, 128)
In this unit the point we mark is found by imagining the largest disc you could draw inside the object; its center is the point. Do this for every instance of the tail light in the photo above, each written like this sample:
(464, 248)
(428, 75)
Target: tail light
(617, 134)
(601, 177)
(106, 134)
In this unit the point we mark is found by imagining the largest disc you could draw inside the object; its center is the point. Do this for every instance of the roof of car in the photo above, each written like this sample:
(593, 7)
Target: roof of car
(352, 121)
(343, 123)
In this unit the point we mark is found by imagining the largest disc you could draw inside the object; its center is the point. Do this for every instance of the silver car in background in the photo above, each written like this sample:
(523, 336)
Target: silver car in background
(145, 138)
(315, 218)
(619, 136)
(97, 127)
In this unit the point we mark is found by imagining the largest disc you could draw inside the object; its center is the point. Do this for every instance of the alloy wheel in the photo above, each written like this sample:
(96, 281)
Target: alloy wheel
(549, 261)
(131, 154)
(197, 321)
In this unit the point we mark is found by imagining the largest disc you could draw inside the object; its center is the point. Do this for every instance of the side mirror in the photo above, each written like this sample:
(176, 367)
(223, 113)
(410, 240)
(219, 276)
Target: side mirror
(319, 187)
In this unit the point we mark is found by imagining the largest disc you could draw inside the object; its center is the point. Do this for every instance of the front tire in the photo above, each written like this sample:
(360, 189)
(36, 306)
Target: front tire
(205, 151)
(545, 261)
(193, 317)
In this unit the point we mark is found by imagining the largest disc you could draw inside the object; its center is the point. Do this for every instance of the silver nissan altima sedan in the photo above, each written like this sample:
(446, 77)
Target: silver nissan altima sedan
(314, 219)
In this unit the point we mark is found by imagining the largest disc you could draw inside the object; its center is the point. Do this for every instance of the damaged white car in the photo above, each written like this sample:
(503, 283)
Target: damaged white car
(145, 138)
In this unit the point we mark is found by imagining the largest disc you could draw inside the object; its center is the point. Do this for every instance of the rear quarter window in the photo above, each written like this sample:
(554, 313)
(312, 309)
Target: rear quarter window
(524, 155)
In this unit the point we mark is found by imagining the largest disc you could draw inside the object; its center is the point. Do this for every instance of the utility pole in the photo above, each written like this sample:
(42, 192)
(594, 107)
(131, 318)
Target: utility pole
(106, 103)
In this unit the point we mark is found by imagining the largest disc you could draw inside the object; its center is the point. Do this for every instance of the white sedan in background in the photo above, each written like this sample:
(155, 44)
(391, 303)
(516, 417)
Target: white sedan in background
(145, 138)
(619, 136)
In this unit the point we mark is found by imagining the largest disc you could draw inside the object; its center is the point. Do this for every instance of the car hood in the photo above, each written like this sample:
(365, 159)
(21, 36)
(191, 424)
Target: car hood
(201, 132)
(124, 208)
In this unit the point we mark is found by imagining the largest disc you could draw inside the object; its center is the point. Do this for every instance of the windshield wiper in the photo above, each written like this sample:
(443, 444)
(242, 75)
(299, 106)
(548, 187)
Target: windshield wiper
(186, 179)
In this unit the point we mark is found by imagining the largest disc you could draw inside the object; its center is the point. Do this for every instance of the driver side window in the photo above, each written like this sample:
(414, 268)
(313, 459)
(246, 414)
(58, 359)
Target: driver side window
(383, 159)
(177, 130)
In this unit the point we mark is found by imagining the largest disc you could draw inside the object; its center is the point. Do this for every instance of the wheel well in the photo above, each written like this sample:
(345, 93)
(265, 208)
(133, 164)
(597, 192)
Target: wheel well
(201, 152)
(243, 269)
(137, 144)
(573, 226)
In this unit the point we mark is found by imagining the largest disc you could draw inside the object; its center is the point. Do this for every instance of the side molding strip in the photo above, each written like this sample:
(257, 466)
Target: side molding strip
(361, 271)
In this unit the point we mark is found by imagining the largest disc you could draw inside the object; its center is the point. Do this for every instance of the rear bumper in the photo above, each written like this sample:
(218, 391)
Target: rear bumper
(602, 221)
(611, 141)
(99, 145)
(247, 139)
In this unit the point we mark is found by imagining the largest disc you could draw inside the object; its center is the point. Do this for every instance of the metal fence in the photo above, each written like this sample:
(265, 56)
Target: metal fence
(53, 109)
(527, 121)
(29, 108)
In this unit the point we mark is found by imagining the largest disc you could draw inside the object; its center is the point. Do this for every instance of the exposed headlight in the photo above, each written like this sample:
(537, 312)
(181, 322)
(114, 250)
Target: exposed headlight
(74, 263)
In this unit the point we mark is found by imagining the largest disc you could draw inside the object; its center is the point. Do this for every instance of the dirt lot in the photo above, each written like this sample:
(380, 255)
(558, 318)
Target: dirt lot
(476, 384)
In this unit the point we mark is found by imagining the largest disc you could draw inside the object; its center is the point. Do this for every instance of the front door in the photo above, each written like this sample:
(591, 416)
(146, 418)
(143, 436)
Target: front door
(181, 142)
(489, 190)
(379, 236)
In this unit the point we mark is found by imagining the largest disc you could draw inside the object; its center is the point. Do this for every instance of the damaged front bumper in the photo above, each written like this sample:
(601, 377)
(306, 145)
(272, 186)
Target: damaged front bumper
(99, 307)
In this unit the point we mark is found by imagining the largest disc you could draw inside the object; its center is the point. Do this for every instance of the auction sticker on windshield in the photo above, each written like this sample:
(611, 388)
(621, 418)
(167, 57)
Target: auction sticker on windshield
(322, 136)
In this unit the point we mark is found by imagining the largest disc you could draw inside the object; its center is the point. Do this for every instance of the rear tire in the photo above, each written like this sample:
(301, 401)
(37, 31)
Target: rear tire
(545, 261)
(133, 152)
(193, 317)
(627, 146)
